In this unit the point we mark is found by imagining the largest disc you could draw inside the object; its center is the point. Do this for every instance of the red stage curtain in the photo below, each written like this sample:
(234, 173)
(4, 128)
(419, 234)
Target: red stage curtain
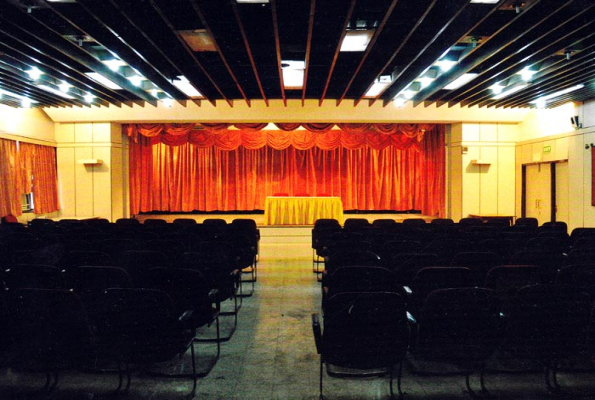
(10, 201)
(237, 169)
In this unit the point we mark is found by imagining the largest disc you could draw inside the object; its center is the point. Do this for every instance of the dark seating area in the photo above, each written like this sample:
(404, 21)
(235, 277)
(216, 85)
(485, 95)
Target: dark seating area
(480, 297)
(122, 297)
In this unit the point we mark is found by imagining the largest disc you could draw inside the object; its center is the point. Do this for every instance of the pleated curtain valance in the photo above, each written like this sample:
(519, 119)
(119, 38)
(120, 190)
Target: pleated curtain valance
(253, 136)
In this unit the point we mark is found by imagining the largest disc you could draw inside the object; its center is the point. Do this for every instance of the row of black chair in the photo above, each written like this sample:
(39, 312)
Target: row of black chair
(373, 332)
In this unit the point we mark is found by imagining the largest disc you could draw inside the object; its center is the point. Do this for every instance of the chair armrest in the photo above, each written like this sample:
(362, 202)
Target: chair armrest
(186, 316)
(411, 319)
(317, 332)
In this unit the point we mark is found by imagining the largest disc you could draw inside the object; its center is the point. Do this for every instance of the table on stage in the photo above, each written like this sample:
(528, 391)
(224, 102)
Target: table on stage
(285, 210)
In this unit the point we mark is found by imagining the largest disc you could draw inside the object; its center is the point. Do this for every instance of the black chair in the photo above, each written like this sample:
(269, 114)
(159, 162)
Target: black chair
(322, 232)
(528, 222)
(549, 262)
(429, 279)
(35, 276)
(359, 279)
(138, 262)
(54, 333)
(190, 290)
(547, 323)
(479, 262)
(143, 327)
(364, 334)
(581, 276)
(459, 327)
(406, 265)
(348, 258)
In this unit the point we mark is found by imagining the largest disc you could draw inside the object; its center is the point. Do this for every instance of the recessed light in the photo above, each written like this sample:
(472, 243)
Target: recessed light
(293, 73)
(89, 97)
(186, 87)
(510, 91)
(103, 80)
(34, 73)
(55, 91)
(460, 81)
(357, 39)
(484, 1)
(253, 1)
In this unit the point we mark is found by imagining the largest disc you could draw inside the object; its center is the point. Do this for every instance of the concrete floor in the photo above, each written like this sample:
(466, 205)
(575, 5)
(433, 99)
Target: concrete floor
(272, 353)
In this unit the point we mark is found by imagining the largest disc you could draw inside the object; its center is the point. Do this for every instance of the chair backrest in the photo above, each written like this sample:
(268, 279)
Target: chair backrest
(433, 278)
(54, 328)
(528, 222)
(36, 276)
(459, 326)
(581, 276)
(349, 258)
(547, 321)
(365, 330)
(506, 280)
(479, 262)
(138, 262)
(355, 223)
(406, 265)
(361, 279)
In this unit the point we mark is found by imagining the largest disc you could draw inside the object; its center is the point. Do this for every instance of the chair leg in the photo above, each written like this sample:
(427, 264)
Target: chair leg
(390, 384)
(321, 373)
(484, 390)
(192, 353)
(399, 379)
(468, 385)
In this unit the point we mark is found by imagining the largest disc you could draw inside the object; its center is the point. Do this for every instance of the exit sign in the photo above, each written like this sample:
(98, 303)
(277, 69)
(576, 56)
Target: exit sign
(547, 149)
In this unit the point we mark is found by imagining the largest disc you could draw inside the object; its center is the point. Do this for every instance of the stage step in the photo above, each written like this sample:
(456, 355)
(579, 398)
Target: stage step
(286, 242)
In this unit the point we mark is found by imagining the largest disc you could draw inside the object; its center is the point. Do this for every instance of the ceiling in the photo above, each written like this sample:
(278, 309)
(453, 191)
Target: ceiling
(514, 53)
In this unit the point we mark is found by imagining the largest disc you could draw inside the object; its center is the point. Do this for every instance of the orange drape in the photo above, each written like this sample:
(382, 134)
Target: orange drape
(10, 200)
(27, 168)
(237, 169)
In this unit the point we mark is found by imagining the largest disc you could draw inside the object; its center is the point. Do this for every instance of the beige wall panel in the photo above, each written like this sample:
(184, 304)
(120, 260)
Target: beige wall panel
(118, 192)
(562, 193)
(488, 175)
(577, 175)
(116, 133)
(456, 133)
(547, 156)
(65, 133)
(471, 182)
(65, 160)
(455, 183)
(84, 183)
(508, 132)
(539, 192)
(536, 152)
(101, 132)
(488, 132)
(102, 183)
(506, 180)
(526, 155)
(561, 149)
(471, 132)
(518, 171)
(83, 133)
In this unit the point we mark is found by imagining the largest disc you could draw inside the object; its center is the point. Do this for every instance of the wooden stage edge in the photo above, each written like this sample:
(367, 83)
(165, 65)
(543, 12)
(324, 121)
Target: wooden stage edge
(260, 219)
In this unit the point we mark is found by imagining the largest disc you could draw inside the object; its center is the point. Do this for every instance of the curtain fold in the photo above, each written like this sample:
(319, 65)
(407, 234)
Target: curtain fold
(237, 169)
(27, 168)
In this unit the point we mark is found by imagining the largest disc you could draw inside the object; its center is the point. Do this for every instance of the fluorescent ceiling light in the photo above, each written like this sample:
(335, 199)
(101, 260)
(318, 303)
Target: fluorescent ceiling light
(559, 93)
(497, 88)
(357, 40)
(136, 80)
(103, 80)
(114, 64)
(399, 102)
(293, 74)
(25, 103)
(64, 87)
(89, 97)
(484, 1)
(167, 102)
(378, 86)
(184, 85)
(55, 91)
(509, 91)
(527, 74)
(425, 82)
(34, 73)
(12, 94)
(460, 81)
(446, 65)
(253, 1)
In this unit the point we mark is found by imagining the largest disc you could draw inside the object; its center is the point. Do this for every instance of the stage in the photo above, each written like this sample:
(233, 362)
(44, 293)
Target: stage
(260, 220)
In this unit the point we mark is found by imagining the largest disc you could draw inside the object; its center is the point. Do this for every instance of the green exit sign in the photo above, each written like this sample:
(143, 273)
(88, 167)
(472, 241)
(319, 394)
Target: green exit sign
(547, 149)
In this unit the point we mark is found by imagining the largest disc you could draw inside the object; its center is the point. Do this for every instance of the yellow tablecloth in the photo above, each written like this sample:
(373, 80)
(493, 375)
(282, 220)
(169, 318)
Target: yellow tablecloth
(301, 210)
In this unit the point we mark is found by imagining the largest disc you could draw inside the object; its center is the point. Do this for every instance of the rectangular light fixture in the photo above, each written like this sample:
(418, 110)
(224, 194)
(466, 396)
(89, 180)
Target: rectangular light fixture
(559, 93)
(293, 74)
(460, 81)
(378, 86)
(184, 85)
(103, 80)
(357, 39)
(253, 1)
(16, 96)
(55, 91)
(484, 1)
(510, 91)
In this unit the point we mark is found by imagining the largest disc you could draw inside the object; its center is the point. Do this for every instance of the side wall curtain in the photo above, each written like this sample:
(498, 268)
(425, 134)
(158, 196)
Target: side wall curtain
(187, 177)
(27, 168)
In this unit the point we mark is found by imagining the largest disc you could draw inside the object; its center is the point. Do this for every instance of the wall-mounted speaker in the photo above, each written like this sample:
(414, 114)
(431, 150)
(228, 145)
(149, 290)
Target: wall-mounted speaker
(575, 122)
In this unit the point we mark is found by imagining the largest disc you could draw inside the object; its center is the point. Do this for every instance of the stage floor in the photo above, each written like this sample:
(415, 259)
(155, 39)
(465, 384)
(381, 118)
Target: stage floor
(260, 218)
